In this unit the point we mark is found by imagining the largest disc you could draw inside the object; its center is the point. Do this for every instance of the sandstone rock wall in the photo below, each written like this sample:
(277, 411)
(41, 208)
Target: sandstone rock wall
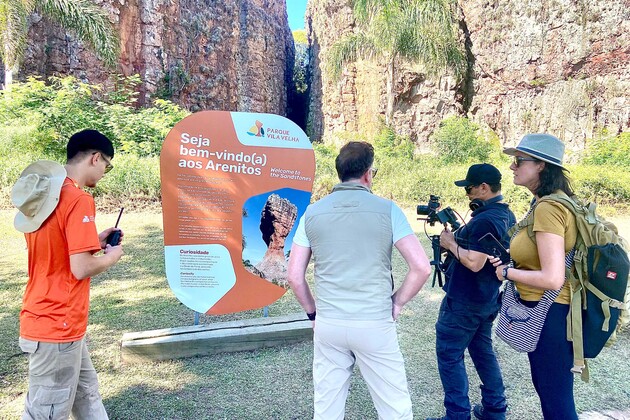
(357, 101)
(234, 55)
(545, 65)
(561, 66)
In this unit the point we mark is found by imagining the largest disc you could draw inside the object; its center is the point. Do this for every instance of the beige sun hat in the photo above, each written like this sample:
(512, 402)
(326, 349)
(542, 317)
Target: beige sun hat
(36, 194)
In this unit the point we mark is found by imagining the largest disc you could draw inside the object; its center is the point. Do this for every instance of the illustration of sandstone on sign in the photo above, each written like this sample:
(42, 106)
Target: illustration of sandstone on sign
(276, 221)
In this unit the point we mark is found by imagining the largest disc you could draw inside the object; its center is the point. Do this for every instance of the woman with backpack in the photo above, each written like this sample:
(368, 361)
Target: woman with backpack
(538, 264)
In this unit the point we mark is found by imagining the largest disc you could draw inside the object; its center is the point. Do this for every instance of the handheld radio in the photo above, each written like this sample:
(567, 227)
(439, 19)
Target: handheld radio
(114, 237)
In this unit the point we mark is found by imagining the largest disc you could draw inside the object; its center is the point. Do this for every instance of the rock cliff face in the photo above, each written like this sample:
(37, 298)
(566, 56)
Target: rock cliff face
(276, 221)
(357, 102)
(545, 65)
(234, 55)
(561, 66)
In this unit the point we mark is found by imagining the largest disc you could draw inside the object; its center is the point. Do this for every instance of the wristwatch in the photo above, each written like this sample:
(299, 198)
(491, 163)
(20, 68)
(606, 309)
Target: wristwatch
(505, 272)
(311, 315)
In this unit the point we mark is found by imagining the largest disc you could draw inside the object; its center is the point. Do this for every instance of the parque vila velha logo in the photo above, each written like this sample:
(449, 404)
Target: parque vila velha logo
(283, 134)
(257, 129)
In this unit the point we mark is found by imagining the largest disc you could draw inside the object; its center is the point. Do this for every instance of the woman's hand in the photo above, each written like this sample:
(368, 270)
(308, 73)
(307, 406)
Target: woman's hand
(498, 265)
(495, 261)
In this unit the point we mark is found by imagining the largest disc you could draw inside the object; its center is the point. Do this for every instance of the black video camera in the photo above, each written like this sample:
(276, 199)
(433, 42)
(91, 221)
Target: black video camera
(434, 214)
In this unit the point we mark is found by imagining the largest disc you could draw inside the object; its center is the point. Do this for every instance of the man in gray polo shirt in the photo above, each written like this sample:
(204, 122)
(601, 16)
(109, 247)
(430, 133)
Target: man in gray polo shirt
(350, 233)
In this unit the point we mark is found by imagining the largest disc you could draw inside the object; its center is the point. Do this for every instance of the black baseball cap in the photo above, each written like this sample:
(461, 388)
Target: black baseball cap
(480, 173)
(89, 140)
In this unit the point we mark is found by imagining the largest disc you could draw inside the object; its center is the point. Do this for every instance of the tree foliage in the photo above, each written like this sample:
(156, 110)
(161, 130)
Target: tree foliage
(459, 140)
(390, 144)
(299, 36)
(420, 31)
(606, 149)
(57, 108)
(88, 21)
(300, 78)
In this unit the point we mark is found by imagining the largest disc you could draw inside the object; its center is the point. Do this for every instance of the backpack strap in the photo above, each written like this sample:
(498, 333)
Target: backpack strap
(574, 318)
(528, 220)
(526, 223)
(574, 331)
(575, 277)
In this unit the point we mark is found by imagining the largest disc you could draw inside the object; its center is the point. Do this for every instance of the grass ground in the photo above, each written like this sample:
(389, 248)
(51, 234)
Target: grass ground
(264, 384)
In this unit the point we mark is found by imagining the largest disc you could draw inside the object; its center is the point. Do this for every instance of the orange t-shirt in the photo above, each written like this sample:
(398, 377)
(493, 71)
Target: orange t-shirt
(56, 304)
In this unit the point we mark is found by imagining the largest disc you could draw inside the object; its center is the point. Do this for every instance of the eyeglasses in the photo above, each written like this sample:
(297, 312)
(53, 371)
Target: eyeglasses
(374, 171)
(108, 164)
(469, 188)
(520, 159)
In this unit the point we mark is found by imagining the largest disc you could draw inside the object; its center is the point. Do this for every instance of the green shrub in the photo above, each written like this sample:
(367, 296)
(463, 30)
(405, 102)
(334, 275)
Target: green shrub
(141, 132)
(408, 181)
(609, 150)
(390, 144)
(459, 140)
(36, 119)
(606, 185)
(518, 197)
(10, 170)
(58, 108)
(134, 181)
(325, 172)
(24, 139)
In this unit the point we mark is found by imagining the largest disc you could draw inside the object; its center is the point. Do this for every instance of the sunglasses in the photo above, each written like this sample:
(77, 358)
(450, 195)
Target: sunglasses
(520, 159)
(108, 164)
(469, 188)
(374, 171)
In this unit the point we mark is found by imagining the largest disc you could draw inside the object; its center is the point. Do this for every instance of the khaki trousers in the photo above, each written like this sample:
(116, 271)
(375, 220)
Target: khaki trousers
(373, 346)
(61, 381)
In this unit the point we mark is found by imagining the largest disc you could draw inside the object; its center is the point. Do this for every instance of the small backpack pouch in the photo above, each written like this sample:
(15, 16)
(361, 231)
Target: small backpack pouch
(605, 292)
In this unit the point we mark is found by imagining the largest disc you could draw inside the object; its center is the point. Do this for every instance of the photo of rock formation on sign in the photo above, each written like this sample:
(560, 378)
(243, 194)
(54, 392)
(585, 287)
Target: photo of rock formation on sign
(276, 221)
(267, 239)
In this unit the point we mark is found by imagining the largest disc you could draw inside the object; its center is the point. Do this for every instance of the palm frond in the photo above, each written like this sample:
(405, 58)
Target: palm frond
(422, 31)
(365, 10)
(430, 12)
(88, 21)
(347, 50)
(429, 35)
(13, 31)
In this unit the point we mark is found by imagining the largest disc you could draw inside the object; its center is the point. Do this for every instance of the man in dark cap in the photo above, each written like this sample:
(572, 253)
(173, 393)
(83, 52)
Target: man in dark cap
(472, 300)
(62, 256)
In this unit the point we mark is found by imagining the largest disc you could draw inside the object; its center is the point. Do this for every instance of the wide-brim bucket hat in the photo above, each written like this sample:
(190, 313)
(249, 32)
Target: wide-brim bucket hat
(541, 146)
(36, 194)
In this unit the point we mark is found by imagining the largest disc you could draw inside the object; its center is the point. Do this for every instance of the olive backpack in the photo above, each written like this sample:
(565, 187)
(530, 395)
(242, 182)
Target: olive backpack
(598, 279)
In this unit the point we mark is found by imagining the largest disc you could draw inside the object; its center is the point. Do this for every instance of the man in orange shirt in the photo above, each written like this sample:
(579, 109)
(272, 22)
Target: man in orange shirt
(57, 218)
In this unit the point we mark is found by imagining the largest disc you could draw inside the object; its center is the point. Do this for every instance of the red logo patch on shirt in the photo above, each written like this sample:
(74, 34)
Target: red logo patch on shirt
(611, 275)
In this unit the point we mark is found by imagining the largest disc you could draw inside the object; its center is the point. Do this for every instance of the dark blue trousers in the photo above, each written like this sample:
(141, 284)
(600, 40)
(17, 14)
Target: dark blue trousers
(551, 365)
(460, 327)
